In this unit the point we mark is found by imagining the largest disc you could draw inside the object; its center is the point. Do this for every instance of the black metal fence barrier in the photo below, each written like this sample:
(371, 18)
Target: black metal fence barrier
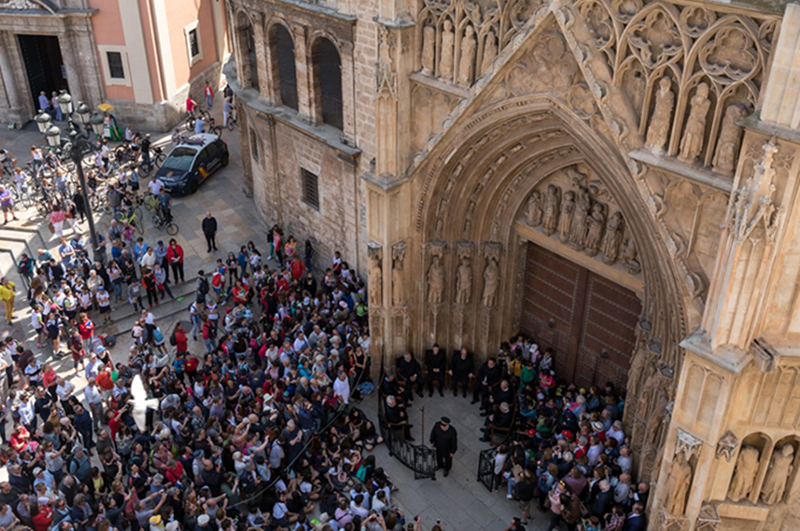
(486, 468)
(418, 457)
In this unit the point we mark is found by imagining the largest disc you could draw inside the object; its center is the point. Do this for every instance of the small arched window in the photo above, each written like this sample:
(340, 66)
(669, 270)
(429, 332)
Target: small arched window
(284, 65)
(328, 82)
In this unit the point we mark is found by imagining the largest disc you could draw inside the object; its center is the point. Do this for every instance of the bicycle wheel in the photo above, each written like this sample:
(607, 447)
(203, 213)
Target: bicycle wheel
(172, 228)
(145, 169)
(148, 205)
(231, 124)
(216, 130)
(139, 225)
(189, 124)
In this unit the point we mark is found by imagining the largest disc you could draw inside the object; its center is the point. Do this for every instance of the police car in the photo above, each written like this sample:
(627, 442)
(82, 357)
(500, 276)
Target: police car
(192, 162)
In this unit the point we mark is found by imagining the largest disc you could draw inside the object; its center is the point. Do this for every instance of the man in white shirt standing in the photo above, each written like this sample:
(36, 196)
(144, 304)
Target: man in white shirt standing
(155, 186)
(95, 400)
(341, 387)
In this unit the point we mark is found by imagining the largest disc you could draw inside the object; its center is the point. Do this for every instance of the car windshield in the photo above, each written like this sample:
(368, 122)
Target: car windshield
(180, 159)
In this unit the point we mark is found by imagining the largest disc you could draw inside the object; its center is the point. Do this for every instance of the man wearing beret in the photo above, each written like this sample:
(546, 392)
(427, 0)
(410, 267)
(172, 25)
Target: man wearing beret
(445, 440)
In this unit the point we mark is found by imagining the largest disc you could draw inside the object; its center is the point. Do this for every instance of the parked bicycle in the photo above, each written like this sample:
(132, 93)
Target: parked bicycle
(157, 157)
(160, 223)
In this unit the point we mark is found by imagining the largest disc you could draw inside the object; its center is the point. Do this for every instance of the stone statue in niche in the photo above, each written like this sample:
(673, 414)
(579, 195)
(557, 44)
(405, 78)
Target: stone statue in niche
(694, 135)
(435, 280)
(594, 229)
(565, 219)
(428, 49)
(489, 51)
(551, 205)
(780, 468)
(577, 231)
(375, 279)
(491, 281)
(630, 257)
(729, 137)
(533, 210)
(678, 483)
(612, 238)
(466, 62)
(658, 132)
(398, 283)
(446, 59)
(745, 474)
(464, 281)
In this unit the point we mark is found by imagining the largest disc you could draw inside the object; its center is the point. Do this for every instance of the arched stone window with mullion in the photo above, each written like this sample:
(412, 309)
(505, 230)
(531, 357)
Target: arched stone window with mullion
(284, 66)
(327, 82)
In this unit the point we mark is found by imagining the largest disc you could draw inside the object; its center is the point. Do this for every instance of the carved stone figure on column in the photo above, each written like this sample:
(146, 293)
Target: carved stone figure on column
(491, 281)
(729, 136)
(398, 283)
(466, 63)
(694, 135)
(565, 219)
(594, 229)
(678, 482)
(745, 474)
(489, 51)
(551, 204)
(641, 359)
(464, 281)
(533, 210)
(780, 468)
(577, 231)
(446, 59)
(428, 49)
(629, 257)
(375, 281)
(612, 238)
(435, 280)
(658, 132)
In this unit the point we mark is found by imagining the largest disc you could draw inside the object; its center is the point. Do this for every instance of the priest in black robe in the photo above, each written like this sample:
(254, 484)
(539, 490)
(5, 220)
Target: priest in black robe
(445, 440)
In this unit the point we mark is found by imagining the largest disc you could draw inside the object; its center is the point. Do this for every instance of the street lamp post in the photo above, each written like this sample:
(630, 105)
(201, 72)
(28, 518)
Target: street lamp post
(80, 144)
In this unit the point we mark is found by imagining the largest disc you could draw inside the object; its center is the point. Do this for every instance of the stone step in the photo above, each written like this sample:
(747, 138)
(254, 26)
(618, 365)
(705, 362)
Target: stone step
(124, 316)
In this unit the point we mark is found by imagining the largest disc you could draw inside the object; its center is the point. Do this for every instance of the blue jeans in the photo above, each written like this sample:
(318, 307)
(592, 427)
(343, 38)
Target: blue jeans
(59, 115)
(210, 101)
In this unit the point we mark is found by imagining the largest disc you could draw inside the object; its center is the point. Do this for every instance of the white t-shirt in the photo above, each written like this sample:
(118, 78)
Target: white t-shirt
(342, 388)
(155, 186)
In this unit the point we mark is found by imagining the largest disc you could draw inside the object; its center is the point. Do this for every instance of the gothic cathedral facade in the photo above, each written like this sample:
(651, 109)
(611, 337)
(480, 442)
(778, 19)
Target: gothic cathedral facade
(618, 179)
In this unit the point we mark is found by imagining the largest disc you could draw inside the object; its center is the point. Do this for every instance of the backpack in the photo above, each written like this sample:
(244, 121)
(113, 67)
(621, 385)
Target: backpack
(172, 340)
(203, 288)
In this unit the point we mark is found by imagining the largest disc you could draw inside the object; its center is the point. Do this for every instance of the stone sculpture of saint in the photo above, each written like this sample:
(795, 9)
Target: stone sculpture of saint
(446, 60)
(745, 474)
(375, 282)
(398, 285)
(551, 205)
(489, 51)
(491, 281)
(612, 238)
(658, 132)
(428, 49)
(594, 229)
(466, 62)
(678, 483)
(464, 282)
(780, 468)
(630, 257)
(435, 280)
(729, 137)
(577, 231)
(694, 135)
(533, 210)
(565, 219)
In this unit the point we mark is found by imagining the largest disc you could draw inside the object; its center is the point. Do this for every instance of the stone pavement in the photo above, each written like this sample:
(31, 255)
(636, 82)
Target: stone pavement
(459, 501)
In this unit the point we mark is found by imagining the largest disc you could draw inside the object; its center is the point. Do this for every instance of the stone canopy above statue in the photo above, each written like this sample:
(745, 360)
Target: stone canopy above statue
(572, 207)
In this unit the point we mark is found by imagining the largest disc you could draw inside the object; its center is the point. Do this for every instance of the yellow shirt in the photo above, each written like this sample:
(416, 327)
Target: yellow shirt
(7, 292)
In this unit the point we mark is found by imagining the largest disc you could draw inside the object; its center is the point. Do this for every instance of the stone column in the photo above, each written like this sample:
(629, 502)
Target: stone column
(305, 92)
(9, 81)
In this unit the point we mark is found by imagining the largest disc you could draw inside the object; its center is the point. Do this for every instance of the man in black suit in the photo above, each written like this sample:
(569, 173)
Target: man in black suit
(461, 368)
(500, 419)
(489, 376)
(503, 393)
(434, 363)
(409, 373)
(636, 520)
(396, 417)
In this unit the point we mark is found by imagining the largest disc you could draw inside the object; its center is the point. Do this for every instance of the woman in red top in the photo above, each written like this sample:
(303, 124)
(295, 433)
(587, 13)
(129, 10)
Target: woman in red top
(49, 380)
(239, 293)
(175, 259)
(42, 516)
(86, 330)
(181, 341)
(19, 439)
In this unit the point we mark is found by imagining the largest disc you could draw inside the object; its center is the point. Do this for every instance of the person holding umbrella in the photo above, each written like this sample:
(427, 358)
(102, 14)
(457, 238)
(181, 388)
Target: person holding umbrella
(445, 440)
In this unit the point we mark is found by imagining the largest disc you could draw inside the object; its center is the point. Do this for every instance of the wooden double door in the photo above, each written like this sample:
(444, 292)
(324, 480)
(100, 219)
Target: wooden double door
(586, 319)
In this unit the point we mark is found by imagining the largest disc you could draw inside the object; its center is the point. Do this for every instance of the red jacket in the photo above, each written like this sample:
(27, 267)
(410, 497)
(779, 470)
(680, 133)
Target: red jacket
(298, 269)
(86, 329)
(172, 253)
(182, 342)
(43, 519)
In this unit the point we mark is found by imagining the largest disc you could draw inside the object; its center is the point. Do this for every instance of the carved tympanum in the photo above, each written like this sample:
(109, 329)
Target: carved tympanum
(780, 468)
(658, 132)
(745, 474)
(694, 135)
